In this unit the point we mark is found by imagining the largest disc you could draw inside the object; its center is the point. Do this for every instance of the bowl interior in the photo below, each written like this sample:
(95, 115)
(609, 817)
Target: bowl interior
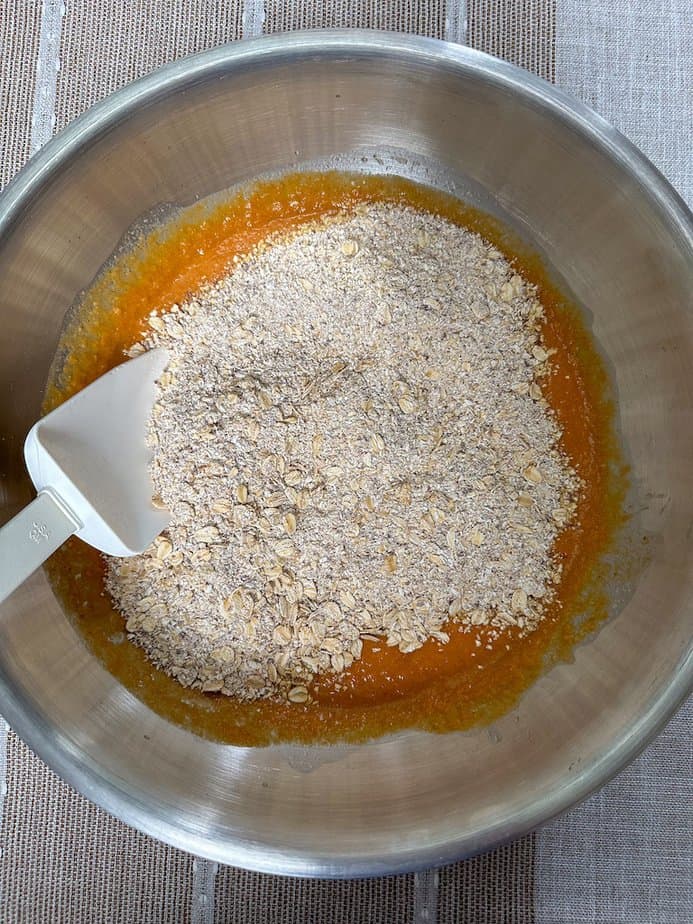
(621, 243)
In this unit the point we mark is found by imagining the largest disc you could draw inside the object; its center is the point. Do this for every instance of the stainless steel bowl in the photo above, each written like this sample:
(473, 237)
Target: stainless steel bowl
(621, 240)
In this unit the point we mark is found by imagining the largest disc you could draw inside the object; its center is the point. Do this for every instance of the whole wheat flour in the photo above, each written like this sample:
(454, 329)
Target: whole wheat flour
(353, 444)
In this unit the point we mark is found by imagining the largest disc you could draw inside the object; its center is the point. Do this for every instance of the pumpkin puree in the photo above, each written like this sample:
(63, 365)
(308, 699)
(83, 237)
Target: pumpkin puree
(438, 687)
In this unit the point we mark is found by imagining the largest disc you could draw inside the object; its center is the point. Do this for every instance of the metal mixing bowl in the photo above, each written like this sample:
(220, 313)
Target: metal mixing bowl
(621, 240)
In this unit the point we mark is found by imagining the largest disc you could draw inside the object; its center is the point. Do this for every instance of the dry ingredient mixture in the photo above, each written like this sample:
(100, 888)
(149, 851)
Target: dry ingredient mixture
(353, 444)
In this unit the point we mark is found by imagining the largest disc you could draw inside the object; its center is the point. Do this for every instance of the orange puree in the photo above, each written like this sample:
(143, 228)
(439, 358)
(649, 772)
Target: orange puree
(438, 687)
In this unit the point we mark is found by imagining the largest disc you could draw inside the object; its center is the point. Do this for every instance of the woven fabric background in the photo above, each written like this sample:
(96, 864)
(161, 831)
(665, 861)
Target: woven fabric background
(633, 63)
(627, 853)
(521, 31)
(424, 18)
(496, 887)
(63, 860)
(108, 43)
(19, 40)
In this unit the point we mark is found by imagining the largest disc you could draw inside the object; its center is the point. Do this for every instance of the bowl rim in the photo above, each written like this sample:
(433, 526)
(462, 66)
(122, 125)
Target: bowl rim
(46, 740)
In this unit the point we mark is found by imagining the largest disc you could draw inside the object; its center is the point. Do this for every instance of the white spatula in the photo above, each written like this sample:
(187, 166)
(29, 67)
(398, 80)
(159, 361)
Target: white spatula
(89, 463)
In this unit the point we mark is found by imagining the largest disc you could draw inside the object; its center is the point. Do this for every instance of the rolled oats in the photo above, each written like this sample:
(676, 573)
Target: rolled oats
(354, 445)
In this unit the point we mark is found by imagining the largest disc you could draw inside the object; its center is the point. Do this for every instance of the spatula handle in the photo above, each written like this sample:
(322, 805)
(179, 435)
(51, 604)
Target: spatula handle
(31, 537)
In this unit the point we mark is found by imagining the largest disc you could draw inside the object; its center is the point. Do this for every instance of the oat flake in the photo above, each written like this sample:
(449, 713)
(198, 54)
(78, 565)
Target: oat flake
(353, 444)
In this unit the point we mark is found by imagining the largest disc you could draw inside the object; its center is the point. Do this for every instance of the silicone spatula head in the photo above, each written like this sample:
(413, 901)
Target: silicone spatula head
(91, 453)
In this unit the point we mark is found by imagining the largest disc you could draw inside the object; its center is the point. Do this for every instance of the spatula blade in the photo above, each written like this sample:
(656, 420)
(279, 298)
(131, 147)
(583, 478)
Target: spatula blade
(92, 452)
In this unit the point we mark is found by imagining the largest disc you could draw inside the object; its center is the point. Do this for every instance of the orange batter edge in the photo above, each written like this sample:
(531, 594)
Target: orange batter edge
(438, 687)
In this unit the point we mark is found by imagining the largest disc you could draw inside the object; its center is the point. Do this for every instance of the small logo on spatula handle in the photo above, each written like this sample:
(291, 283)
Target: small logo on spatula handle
(39, 532)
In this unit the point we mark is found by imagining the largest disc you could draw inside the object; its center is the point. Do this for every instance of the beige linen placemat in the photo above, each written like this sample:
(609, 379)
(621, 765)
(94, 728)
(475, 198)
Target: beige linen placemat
(64, 860)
